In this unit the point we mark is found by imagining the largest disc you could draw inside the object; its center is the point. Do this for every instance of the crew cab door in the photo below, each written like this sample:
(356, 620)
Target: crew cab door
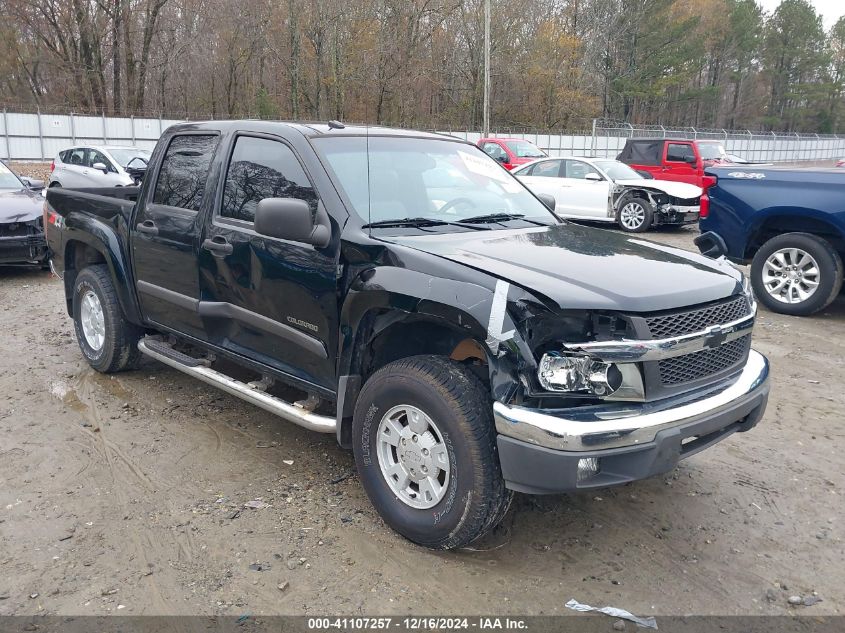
(165, 234)
(680, 163)
(271, 300)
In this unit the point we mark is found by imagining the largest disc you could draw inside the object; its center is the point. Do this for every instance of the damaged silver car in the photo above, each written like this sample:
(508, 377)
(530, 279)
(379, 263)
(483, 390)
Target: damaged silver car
(605, 190)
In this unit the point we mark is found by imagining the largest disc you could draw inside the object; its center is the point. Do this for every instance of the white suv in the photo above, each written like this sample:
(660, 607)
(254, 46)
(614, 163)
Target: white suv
(97, 166)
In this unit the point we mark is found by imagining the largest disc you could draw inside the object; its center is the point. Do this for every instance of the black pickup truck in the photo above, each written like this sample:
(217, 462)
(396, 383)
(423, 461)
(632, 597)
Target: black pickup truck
(402, 290)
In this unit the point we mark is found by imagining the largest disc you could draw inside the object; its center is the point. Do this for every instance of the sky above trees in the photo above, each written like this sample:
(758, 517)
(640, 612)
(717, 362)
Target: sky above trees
(830, 10)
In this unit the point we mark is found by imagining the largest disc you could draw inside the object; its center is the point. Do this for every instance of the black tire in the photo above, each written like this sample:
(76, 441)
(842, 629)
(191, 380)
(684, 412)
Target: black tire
(55, 184)
(646, 208)
(829, 278)
(119, 350)
(475, 498)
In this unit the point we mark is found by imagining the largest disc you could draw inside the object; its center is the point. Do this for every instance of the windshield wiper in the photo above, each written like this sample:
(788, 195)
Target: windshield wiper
(491, 218)
(414, 222)
(419, 223)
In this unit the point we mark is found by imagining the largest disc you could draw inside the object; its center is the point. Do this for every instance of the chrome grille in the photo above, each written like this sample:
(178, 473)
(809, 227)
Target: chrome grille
(690, 367)
(679, 323)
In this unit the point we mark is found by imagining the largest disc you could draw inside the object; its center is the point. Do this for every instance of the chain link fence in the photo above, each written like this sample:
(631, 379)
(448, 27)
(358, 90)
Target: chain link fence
(40, 136)
(608, 139)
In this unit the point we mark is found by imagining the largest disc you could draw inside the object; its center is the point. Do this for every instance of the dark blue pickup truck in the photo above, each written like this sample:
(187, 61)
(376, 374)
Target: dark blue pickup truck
(788, 223)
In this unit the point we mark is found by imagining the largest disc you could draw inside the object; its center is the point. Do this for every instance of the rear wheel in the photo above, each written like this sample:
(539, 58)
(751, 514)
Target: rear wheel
(635, 214)
(796, 273)
(107, 340)
(425, 448)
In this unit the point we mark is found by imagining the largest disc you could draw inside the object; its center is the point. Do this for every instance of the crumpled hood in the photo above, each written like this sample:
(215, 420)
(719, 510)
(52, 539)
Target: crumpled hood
(19, 205)
(579, 267)
(675, 189)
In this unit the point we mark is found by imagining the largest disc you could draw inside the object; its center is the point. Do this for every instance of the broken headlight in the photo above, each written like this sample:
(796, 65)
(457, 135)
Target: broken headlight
(578, 373)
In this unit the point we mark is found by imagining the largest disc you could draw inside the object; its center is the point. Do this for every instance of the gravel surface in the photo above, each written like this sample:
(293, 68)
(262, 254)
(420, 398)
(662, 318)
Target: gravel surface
(151, 493)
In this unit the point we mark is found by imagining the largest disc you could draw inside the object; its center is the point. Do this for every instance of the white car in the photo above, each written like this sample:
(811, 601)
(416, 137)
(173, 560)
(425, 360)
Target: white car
(605, 190)
(98, 166)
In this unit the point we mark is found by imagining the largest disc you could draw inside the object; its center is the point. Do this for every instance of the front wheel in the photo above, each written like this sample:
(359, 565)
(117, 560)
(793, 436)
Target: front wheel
(635, 215)
(107, 340)
(425, 448)
(796, 273)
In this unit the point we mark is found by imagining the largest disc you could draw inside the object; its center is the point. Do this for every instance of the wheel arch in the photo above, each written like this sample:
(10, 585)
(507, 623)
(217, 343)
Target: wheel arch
(381, 323)
(777, 222)
(88, 248)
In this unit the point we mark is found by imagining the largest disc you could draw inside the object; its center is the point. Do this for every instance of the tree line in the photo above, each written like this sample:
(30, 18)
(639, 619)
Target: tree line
(556, 64)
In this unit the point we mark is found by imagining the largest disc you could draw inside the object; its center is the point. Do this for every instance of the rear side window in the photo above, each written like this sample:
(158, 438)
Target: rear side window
(184, 171)
(679, 152)
(261, 168)
(74, 156)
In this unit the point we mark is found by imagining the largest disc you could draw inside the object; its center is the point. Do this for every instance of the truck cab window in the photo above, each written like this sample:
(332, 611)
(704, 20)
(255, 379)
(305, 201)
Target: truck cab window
(182, 177)
(261, 168)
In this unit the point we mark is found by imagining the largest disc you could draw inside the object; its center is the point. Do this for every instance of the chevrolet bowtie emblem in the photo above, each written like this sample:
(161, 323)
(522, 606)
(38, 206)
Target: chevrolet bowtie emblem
(715, 336)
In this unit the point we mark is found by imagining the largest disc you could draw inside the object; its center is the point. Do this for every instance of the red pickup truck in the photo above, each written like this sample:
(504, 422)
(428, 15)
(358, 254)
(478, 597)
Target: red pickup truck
(681, 160)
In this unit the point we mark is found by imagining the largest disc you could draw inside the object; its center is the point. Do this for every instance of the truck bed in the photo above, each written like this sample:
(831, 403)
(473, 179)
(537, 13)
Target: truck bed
(103, 202)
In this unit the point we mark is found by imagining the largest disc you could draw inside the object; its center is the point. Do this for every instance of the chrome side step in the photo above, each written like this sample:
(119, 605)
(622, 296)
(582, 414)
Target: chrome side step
(163, 352)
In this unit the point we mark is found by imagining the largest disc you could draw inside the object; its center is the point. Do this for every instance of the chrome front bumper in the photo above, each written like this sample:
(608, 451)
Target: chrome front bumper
(615, 425)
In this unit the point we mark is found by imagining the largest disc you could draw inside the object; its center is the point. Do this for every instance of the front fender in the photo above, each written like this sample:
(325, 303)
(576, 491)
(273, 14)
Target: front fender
(102, 237)
(380, 297)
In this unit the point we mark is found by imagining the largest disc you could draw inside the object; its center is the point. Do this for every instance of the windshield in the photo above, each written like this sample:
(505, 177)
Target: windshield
(417, 178)
(524, 149)
(124, 156)
(616, 170)
(711, 151)
(8, 180)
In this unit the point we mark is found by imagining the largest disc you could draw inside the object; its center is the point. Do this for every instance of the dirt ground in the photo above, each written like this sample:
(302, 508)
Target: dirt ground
(126, 494)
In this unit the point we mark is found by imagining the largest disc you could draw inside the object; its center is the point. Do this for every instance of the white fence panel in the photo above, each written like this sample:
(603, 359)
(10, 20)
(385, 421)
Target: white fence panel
(25, 136)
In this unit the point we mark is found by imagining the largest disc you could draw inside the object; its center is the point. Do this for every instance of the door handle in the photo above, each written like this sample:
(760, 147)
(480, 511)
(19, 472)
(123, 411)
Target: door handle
(218, 245)
(147, 226)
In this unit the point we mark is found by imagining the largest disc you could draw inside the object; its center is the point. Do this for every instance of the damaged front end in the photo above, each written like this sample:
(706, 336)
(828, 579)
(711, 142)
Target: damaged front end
(23, 242)
(668, 209)
(609, 397)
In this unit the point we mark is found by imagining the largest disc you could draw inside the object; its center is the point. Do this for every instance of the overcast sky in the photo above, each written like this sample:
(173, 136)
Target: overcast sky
(831, 10)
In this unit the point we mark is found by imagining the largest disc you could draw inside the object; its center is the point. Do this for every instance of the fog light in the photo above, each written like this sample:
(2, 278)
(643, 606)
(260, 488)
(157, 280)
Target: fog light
(587, 467)
(578, 373)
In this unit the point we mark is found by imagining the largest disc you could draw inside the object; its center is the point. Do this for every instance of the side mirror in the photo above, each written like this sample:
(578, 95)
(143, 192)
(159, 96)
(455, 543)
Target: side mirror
(692, 160)
(501, 158)
(548, 200)
(594, 177)
(291, 219)
(711, 245)
(32, 184)
(100, 167)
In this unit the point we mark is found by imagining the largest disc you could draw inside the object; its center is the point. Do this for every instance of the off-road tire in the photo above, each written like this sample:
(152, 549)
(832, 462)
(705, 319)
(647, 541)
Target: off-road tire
(476, 499)
(119, 351)
(648, 213)
(830, 273)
